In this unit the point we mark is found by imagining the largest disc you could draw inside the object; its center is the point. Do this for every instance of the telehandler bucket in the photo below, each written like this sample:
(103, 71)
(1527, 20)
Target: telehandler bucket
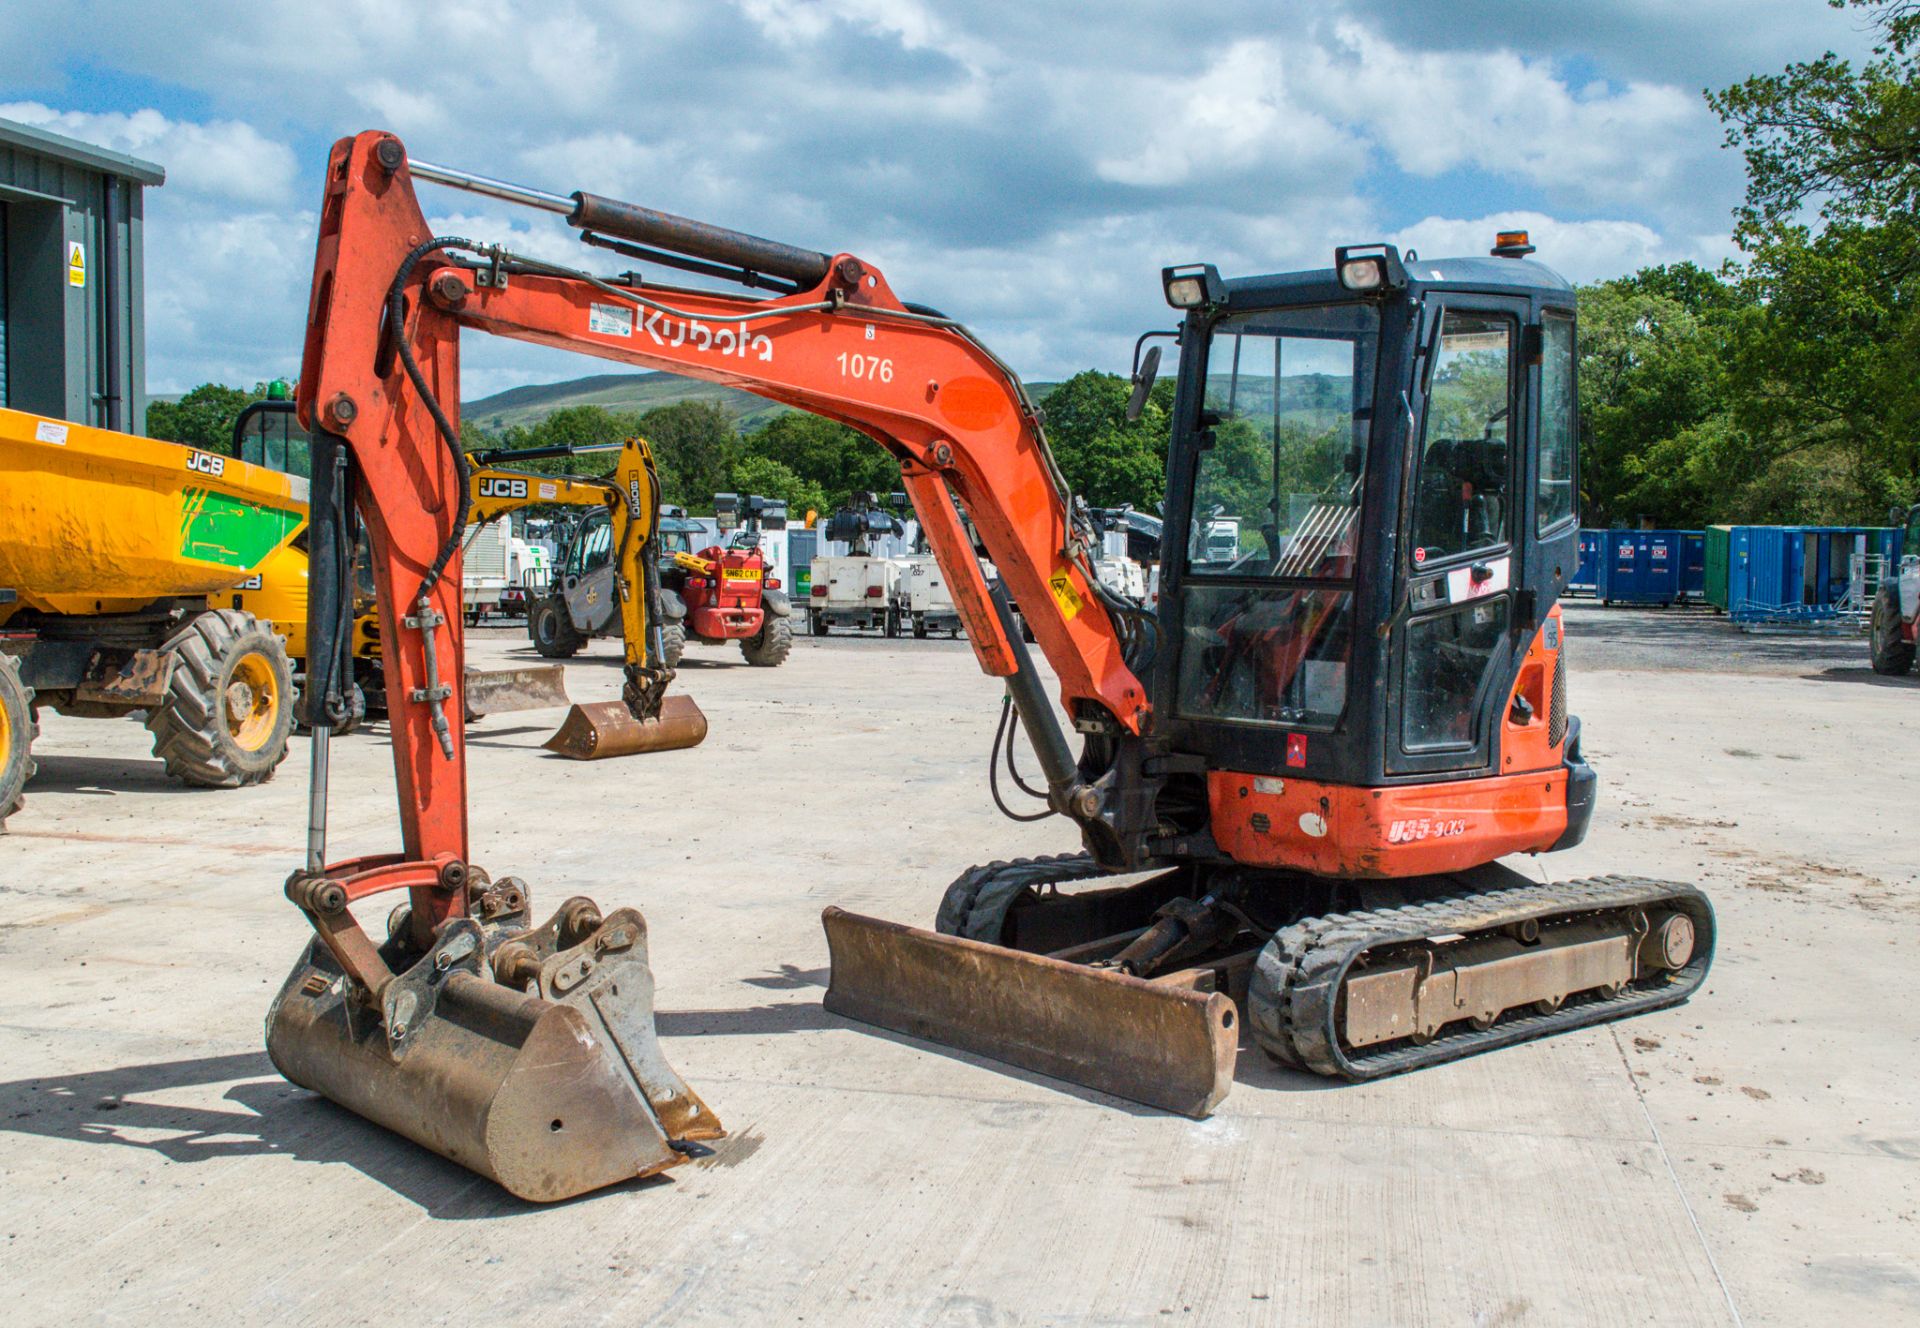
(608, 728)
(1156, 1042)
(498, 691)
(528, 1056)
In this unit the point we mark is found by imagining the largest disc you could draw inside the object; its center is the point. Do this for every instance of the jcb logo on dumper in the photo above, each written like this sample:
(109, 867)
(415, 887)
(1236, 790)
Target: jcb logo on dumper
(502, 487)
(206, 463)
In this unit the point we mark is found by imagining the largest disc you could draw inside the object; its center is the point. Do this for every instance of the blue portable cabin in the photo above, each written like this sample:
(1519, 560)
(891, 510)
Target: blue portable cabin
(1640, 566)
(1586, 571)
(1794, 572)
(1693, 565)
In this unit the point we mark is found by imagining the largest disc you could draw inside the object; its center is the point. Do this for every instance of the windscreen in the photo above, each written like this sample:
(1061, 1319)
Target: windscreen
(1270, 545)
(1278, 492)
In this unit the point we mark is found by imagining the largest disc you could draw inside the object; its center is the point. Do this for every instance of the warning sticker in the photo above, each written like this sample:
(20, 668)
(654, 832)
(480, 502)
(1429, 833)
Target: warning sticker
(549, 490)
(610, 320)
(76, 263)
(1064, 594)
(50, 431)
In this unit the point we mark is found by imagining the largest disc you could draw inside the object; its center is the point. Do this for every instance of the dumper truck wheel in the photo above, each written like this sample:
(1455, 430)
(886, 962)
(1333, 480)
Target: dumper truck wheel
(229, 705)
(17, 732)
(919, 626)
(820, 625)
(1891, 655)
(552, 631)
(673, 644)
(769, 650)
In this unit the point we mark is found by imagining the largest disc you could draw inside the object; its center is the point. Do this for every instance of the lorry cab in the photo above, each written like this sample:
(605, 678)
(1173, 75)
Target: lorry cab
(1384, 441)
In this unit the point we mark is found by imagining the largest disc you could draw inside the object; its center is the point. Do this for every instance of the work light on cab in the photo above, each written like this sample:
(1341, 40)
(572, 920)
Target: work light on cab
(1366, 268)
(1192, 285)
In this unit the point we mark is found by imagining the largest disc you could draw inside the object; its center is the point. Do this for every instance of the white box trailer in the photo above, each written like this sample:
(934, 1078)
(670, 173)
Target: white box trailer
(926, 601)
(483, 566)
(852, 590)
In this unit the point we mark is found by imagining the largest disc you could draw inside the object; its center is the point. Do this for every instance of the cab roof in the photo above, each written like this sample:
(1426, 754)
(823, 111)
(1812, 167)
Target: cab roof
(1519, 276)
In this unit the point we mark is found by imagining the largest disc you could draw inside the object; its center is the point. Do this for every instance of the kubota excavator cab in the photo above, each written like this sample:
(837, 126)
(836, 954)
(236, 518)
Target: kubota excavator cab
(1393, 440)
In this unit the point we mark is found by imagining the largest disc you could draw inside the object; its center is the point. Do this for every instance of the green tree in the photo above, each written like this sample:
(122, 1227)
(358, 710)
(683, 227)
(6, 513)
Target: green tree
(1656, 439)
(202, 418)
(839, 460)
(1825, 354)
(1109, 460)
(771, 479)
(695, 447)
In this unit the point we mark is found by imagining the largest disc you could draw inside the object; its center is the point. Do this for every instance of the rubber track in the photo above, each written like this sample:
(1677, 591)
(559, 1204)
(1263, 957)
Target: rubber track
(1293, 996)
(975, 905)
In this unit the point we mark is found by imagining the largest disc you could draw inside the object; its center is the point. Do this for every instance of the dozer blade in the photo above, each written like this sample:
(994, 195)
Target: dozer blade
(608, 728)
(1163, 1045)
(551, 1091)
(497, 691)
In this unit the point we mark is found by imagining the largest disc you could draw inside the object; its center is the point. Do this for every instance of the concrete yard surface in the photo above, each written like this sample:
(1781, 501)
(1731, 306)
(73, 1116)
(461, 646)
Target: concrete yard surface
(1753, 1156)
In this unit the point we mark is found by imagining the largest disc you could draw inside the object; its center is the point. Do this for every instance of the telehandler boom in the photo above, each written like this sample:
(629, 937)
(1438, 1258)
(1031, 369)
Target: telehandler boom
(1314, 752)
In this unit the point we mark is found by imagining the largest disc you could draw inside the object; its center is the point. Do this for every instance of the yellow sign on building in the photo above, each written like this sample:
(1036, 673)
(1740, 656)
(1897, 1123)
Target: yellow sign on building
(76, 263)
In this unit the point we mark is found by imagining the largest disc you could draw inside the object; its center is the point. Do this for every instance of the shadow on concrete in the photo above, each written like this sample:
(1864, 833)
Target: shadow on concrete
(1866, 676)
(103, 775)
(268, 1116)
(493, 737)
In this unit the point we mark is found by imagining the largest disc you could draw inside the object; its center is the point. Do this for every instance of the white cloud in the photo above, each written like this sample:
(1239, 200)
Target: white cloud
(224, 158)
(1236, 116)
(1030, 170)
(1580, 251)
(1498, 112)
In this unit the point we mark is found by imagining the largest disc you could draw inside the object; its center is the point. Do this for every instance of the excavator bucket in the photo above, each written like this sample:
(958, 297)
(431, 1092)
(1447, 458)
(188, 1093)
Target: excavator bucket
(608, 728)
(1160, 1043)
(529, 1057)
(497, 691)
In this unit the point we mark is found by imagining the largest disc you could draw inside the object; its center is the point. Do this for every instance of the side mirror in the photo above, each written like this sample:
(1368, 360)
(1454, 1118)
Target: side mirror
(1143, 383)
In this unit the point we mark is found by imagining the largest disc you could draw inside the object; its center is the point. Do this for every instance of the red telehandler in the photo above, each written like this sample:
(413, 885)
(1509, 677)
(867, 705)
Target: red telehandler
(1294, 780)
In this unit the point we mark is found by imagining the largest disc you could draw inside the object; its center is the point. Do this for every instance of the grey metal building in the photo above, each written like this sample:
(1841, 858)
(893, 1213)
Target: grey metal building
(72, 293)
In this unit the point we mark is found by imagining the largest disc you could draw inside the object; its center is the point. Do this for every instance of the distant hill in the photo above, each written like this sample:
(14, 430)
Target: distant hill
(622, 391)
(628, 391)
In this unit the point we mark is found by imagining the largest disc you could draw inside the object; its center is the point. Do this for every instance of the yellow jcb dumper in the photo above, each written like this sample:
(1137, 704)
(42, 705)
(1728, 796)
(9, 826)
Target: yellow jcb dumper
(110, 546)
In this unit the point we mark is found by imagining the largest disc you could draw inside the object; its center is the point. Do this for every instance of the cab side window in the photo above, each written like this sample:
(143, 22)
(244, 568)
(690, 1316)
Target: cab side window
(1555, 501)
(1466, 461)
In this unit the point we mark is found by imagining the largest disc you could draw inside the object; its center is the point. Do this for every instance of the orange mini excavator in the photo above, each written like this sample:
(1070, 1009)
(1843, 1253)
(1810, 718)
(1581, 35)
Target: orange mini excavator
(1295, 776)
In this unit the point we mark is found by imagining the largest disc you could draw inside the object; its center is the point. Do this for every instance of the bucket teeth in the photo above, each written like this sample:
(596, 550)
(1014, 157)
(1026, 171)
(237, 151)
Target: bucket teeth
(549, 1080)
(607, 728)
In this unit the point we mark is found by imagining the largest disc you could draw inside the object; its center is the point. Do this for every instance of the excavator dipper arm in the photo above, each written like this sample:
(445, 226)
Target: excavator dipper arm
(524, 1052)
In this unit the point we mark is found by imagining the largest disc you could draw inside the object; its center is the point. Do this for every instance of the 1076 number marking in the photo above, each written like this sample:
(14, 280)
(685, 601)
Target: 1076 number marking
(870, 367)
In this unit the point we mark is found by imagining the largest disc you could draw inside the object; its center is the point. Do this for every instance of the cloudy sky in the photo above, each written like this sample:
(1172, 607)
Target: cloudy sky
(1026, 166)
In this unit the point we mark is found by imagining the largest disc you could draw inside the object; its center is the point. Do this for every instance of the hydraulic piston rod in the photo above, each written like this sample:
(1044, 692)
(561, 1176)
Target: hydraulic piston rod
(643, 225)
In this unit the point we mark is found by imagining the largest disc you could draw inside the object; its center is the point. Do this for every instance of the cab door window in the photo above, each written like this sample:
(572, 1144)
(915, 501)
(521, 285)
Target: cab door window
(1463, 497)
(1554, 500)
(592, 547)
